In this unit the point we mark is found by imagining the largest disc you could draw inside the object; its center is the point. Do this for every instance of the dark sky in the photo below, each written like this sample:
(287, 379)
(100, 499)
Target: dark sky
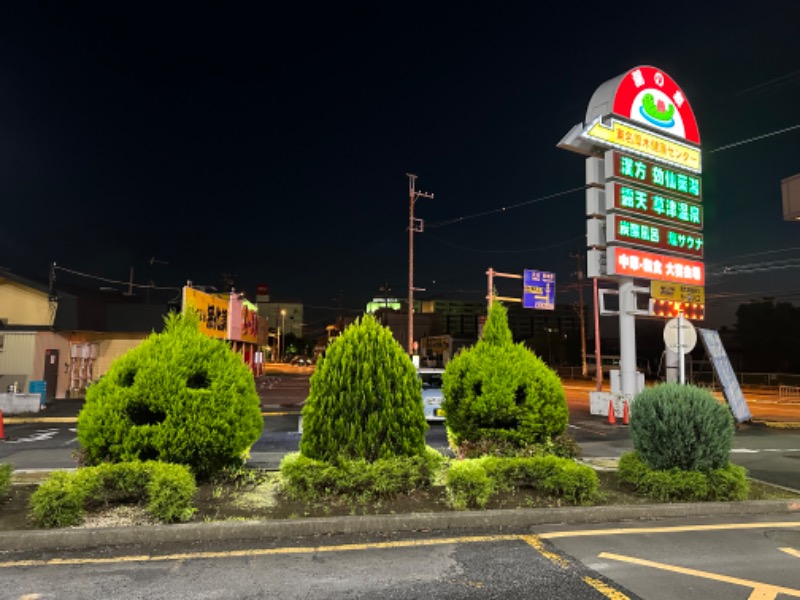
(273, 143)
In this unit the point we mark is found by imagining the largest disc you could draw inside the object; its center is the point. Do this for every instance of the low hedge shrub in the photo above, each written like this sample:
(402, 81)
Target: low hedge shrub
(307, 479)
(5, 480)
(727, 483)
(62, 499)
(471, 482)
(468, 484)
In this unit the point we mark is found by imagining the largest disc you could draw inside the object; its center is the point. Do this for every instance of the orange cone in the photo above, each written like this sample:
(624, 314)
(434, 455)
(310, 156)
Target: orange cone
(2, 432)
(612, 418)
(625, 415)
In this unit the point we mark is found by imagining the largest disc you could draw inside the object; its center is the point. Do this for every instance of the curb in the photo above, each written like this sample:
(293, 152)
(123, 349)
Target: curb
(517, 519)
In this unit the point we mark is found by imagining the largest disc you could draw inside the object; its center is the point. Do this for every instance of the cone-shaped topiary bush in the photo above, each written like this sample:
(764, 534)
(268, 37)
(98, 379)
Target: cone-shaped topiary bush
(365, 399)
(681, 426)
(498, 391)
(178, 397)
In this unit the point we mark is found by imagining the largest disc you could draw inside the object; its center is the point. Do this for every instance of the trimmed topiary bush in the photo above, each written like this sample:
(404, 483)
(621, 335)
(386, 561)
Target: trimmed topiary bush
(682, 427)
(500, 394)
(178, 397)
(365, 399)
(468, 484)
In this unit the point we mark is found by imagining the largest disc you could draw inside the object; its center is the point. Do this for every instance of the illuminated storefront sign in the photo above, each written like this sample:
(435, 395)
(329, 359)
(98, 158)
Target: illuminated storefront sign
(213, 312)
(649, 265)
(630, 138)
(667, 180)
(621, 228)
(653, 204)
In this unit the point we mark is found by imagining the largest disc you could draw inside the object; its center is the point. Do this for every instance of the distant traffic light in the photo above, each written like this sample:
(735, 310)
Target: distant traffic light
(671, 308)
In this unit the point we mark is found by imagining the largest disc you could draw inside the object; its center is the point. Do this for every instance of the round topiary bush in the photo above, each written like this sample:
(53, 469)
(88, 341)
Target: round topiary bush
(501, 393)
(681, 426)
(365, 399)
(178, 397)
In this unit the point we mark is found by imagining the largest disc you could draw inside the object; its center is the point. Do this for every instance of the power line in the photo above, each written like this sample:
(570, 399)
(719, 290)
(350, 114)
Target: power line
(115, 281)
(505, 208)
(754, 139)
(457, 247)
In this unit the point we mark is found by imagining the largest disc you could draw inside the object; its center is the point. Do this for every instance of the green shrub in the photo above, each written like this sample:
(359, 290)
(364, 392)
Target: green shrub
(468, 484)
(5, 480)
(365, 399)
(676, 485)
(681, 426)
(308, 479)
(179, 397)
(58, 501)
(562, 477)
(170, 492)
(61, 500)
(500, 395)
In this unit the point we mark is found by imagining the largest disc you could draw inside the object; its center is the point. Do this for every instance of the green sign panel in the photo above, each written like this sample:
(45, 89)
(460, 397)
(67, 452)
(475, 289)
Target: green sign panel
(662, 178)
(648, 203)
(621, 228)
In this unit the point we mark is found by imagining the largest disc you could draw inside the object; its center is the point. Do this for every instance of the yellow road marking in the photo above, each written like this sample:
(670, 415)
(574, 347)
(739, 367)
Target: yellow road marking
(676, 529)
(761, 591)
(604, 589)
(25, 420)
(791, 551)
(256, 552)
(534, 541)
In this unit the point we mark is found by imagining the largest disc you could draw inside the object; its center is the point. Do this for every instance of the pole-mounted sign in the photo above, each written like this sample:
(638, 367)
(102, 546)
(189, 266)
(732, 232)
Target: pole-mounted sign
(644, 193)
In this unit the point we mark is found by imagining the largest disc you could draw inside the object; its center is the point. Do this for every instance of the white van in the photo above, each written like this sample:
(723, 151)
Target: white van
(432, 396)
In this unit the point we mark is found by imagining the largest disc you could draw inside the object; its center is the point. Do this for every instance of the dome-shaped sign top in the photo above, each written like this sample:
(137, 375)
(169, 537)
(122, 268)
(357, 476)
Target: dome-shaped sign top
(649, 96)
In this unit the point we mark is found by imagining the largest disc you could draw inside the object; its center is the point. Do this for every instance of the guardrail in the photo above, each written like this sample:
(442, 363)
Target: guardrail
(789, 392)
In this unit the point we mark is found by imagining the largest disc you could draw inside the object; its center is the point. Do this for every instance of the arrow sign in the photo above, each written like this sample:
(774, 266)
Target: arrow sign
(645, 143)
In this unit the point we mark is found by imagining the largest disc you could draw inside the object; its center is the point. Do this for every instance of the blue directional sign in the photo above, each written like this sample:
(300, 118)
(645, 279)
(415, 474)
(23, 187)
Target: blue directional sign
(539, 290)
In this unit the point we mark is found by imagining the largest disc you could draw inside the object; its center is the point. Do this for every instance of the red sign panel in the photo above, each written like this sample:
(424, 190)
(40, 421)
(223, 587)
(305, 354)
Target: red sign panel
(649, 265)
(648, 95)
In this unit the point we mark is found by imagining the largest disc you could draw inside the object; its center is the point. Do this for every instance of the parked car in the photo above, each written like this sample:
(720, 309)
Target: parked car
(432, 396)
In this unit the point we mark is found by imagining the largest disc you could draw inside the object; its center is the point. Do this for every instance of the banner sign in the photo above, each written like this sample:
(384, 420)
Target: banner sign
(213, 312)
(621, 228)
(663, 179)
(647, 203)
(663, 290)
(649, 265)
(630, 138)
(727, 378)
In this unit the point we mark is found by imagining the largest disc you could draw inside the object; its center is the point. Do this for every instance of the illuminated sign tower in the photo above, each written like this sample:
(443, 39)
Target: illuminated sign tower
(644, 193)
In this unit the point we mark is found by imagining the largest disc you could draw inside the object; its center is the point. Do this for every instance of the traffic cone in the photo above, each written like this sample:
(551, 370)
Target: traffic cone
(2, 432)
(625, 415)
(612, 418)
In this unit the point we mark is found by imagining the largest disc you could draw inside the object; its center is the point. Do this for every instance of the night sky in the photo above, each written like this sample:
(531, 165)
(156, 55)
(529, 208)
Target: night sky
(272, 144)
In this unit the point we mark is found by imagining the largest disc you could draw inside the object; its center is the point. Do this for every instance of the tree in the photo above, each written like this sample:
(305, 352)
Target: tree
(501, 391)
(365, 399)
(178, 397)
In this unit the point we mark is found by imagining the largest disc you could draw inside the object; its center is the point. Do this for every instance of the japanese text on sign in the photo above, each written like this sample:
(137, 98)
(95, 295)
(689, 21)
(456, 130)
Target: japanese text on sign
(654, 235)
(657, 176)
(654, 204)
(539, 290)
(648, 265)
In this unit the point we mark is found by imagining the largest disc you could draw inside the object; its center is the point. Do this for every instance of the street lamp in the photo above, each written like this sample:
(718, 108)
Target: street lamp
(283, 330)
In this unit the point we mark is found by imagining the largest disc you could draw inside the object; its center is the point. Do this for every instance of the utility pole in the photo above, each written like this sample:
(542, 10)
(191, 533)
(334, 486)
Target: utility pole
(579, 273)
(413, 226)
